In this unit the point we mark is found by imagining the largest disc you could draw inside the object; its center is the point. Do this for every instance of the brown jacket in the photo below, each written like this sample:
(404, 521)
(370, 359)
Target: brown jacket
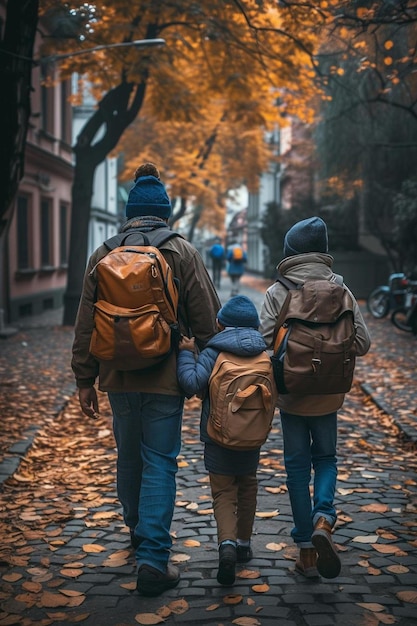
(299, 268)
(198, 303)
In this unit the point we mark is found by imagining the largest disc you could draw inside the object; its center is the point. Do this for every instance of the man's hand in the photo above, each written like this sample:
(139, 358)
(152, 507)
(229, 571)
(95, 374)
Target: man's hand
(89, 402)
(187, 344)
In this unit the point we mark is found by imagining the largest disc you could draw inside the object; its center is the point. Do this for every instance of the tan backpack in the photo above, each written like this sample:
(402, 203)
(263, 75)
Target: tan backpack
(135, 313)
(314, 340)
(242, 401)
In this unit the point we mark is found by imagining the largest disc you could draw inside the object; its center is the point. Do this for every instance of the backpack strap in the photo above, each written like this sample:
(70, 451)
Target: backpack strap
(155, 237)
(289, 284)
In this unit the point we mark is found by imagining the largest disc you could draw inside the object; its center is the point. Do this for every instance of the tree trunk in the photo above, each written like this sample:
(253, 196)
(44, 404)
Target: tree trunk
(82, 191)
(115, 112)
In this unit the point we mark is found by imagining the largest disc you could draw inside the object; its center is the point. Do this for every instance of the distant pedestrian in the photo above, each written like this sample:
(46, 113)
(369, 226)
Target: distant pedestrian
(217, 255)
(309, 422)
(232, 472)
(147, 404)
(236, 257)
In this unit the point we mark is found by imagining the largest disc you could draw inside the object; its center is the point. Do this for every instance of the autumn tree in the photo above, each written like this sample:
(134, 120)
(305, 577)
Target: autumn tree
(202, 160)
(243, 53)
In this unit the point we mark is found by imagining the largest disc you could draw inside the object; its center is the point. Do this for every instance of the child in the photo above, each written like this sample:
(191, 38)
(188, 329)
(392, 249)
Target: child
(232, 472)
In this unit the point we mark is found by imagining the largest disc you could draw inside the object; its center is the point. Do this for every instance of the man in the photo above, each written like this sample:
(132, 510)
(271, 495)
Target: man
(147, 405)
(217, 259)
(309, 422)
(236, 258)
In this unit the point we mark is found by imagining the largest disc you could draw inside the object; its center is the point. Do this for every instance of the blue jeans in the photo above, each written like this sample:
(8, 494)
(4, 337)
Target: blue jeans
(310, 442)
(147, 429)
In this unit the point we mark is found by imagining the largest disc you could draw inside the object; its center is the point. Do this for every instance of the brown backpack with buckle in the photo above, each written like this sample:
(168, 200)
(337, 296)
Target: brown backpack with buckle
(136, 308)
(314, 339)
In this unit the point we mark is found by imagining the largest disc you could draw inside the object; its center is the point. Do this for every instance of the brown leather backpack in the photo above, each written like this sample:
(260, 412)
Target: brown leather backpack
(314, 340)
(136, 309)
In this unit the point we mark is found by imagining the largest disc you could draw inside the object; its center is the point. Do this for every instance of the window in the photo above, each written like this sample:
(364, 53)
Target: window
(63, 233)
(47, 99)
(65, 112)
(22, 233)
(46, 233)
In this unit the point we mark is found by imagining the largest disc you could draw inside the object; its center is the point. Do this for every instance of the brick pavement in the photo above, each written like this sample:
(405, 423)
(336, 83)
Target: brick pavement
(376, 531)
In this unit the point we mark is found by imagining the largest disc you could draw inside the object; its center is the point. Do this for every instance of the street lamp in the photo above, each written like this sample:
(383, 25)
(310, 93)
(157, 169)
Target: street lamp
(137, 43)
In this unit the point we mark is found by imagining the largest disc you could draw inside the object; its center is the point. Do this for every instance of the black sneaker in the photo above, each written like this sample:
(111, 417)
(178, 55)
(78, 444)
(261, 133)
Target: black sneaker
(243, 554)
(227, 564)
(152, 582)
(134, 541)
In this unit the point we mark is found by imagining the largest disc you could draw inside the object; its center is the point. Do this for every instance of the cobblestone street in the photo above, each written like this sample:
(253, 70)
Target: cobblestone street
(65, 555)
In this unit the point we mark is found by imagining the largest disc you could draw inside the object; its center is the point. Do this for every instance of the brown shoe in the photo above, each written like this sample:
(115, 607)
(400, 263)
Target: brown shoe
(328, 562)
(307, 563)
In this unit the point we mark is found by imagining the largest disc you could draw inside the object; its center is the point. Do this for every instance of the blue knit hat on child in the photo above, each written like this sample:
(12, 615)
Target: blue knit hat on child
(148, 197)
(239, 311)
(308, 235)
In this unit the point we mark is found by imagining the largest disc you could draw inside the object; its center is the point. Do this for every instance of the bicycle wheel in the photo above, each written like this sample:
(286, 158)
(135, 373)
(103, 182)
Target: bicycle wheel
(378, 303)
(399, 319)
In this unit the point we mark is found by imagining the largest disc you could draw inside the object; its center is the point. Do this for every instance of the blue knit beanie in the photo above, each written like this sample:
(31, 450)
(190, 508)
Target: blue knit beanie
(309, 235)
(239, 311)
(148, 197)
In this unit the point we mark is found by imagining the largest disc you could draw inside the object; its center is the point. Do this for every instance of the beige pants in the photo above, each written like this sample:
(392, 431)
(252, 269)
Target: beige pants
(234, 504)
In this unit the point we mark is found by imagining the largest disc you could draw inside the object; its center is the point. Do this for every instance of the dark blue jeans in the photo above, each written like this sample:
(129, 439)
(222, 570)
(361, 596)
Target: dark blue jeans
(310, 443)
(147, 429)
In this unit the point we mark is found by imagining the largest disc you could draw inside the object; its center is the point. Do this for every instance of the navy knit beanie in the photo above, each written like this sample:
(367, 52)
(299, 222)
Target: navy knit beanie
(239, 311)
(148, 197)
(309, 235)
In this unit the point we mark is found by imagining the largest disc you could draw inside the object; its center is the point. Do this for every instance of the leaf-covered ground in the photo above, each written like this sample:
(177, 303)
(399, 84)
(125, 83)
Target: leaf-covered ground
(65, 556)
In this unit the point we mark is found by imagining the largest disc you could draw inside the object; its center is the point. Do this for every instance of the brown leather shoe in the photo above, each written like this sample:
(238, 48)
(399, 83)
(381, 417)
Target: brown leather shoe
(307, 563)
(328, 562)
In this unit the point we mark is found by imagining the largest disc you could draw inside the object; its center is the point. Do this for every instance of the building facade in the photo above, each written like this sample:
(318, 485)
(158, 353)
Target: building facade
(38, 239)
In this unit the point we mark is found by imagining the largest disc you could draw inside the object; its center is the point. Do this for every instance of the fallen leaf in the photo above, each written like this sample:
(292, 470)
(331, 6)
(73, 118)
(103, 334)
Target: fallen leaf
(246, 621)
(191, 543)
(130, 586)
(52, 600)
(409, 595)
(71, 592)
(267, 513)
(178, 606)
(180, 558)
(260, 588)
(148, 618)
(365, 539)
(398, 569)
(12, 577)
(386, 548)
(248, 573)
(93, 548)
(371, 606)
(375, 507)
(233, 598)
(212, 607)
(276, 547)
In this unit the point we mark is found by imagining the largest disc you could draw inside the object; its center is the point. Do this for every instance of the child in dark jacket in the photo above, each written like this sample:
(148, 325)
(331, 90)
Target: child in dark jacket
(232, 473)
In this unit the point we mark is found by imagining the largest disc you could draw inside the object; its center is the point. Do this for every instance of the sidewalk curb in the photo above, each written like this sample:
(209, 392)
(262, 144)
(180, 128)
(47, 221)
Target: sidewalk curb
(377, 399)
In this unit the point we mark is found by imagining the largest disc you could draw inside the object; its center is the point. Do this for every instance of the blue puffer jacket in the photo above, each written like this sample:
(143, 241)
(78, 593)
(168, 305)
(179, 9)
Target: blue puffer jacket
(193, 376)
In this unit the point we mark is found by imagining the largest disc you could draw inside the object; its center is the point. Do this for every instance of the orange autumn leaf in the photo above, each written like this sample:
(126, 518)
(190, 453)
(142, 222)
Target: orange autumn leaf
(248, 573)
(376, 507)
(261, 588)
(94, 548)
(232, 598)
(148, 618)
(409, 595)
(178, 606)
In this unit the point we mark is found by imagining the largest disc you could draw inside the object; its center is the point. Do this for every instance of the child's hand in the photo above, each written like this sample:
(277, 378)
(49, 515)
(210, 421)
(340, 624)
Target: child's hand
(187, 344)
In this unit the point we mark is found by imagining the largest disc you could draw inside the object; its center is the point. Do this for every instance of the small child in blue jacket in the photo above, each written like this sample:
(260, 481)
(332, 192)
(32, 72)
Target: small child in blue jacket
(232, 473)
